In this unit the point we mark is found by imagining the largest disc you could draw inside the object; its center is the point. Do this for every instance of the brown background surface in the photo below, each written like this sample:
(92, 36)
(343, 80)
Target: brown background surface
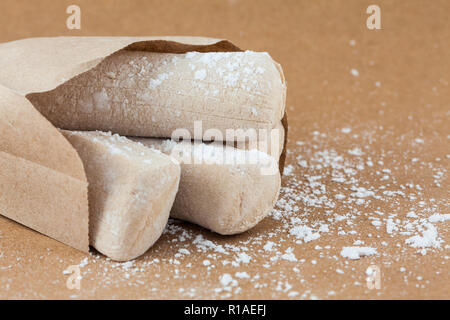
(397, 109)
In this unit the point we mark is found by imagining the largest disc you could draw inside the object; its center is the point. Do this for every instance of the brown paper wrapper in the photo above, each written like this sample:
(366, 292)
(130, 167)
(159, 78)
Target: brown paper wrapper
(42, 180)
(43, 184)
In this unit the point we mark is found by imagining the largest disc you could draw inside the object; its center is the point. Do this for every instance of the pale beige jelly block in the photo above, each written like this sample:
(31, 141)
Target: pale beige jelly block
(131, 192)
(225, 198)
(150, 94)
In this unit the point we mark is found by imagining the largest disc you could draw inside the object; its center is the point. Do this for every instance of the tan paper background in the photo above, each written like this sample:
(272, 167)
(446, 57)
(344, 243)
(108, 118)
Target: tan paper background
(408, 57)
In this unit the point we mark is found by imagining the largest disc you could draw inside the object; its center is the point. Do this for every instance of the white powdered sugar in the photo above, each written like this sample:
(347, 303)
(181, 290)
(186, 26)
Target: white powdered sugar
(154, 83)
(354, 253)
(428, 239)
(200, 74)
(289, 255)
